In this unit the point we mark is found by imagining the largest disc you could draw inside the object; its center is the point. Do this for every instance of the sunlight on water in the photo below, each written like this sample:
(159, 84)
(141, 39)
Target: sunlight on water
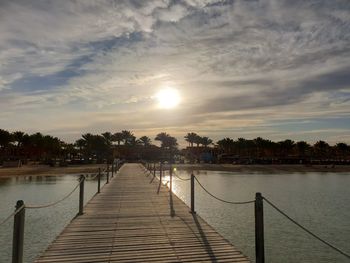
(319, 201)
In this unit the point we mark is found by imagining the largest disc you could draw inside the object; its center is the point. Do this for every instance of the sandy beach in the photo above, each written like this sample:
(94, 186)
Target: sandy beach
(45, 170)
(265, 168)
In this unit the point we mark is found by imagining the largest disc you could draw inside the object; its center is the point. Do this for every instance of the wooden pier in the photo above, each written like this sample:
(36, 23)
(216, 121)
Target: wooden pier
(135, 220)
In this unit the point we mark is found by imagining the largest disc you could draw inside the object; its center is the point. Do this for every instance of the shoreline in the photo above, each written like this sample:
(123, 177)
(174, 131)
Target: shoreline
(45, 170)
(268, 168)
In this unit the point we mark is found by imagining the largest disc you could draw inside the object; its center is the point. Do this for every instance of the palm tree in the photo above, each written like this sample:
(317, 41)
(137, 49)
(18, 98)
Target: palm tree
(342, 149)
(18, 137)
(168, 144)
(108, 137)
(166, 140)
(5, 138)
(226, 145)
(302, 147)
(198, 140)
(205, 141)
(127, 136)
(145, 141)
(241, 144)
(286, 147)
(162, 137)
(321, 149)
(118, 137)
(191, 138)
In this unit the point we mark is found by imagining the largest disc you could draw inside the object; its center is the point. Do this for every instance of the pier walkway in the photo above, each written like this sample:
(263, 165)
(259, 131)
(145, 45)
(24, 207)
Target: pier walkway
(135, 220)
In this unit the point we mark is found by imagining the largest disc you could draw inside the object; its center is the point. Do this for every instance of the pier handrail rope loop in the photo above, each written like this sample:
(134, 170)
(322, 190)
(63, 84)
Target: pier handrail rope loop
(182, 179)
(222, 200)
(306, 230)
(12, 215)
(57, 202)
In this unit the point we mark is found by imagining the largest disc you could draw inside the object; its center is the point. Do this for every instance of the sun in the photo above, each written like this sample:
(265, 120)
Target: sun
(168, 98)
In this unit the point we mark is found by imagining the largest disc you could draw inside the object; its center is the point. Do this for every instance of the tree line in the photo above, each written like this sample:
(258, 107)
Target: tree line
(124, 144)
(99, 147)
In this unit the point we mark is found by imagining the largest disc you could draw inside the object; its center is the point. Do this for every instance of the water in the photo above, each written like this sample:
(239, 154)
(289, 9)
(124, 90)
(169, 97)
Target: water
(41, 225)
(320, 201)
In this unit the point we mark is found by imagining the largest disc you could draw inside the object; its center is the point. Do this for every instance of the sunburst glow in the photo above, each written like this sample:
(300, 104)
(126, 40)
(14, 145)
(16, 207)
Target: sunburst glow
(168, 98)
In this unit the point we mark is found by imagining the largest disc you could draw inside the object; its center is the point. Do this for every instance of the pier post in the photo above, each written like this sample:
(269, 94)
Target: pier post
(259, 229)
(160, 172)
(192, 194)
(81, 195)
(107, 174)
(171, 178)
(99, 180)
(18, 234)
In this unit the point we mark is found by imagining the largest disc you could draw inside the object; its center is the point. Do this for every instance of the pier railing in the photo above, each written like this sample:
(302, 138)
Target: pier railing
(20, 209)
(258, 210)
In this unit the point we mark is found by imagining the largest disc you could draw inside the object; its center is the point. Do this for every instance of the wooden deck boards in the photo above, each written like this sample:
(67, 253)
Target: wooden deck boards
(130, 222)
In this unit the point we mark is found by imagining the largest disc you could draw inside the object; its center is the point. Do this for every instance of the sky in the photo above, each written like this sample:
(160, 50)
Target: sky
(271, 68)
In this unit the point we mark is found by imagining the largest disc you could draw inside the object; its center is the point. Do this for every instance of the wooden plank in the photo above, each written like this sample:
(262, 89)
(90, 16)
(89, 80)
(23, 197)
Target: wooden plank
(130, 221)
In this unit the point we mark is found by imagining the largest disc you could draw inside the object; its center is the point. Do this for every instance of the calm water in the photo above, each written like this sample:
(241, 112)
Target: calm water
(41, 225)
(319, 201)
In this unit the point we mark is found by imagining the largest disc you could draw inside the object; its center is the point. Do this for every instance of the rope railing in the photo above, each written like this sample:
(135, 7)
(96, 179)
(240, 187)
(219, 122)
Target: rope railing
(58, 201)
(12, 214)
(305, 229)
(222, 200)
(19, 213)
(259, 221)
(182, 179)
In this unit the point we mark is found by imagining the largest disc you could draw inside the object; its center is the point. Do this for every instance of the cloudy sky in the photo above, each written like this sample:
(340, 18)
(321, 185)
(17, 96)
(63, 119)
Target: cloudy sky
(271, 68)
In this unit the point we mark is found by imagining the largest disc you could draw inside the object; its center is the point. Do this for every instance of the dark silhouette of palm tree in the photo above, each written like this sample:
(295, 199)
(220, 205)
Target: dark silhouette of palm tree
(5, 138)
(198, 140)
(191, 138)
(302, 148)
(162, 137)
(118, 137)
(286, 147)
(108, 137)
(145, 141)
(226, 145)
(18, 137)
(321, 149)
(205, 141)
(168, 145)
(342, 149)
(128, 137)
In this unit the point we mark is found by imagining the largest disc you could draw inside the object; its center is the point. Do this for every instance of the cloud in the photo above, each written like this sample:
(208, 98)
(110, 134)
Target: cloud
(237, 64)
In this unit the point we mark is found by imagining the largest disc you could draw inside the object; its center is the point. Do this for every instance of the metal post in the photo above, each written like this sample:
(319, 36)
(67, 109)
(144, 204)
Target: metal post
(192, 194)
(99, 180)
(171, 178)
(81, 195)
(259, 229)
(107, 174)
(18, 234)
